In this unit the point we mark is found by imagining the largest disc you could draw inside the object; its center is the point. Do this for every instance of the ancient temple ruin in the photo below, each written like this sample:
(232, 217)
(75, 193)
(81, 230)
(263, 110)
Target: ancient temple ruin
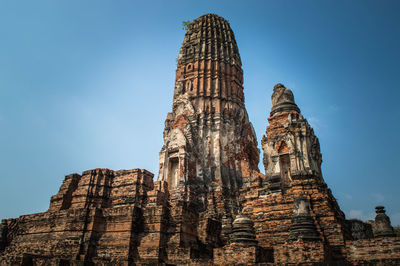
(210, 203)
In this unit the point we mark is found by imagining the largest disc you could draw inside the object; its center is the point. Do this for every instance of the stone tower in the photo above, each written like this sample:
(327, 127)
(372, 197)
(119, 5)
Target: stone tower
(209, 143)
(290, 148)
(293, 191)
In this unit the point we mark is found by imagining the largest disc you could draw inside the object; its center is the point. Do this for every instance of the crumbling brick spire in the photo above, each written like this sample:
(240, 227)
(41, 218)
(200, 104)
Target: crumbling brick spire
(293, 181)
(291, 149)
(209, 67)
(209, 143)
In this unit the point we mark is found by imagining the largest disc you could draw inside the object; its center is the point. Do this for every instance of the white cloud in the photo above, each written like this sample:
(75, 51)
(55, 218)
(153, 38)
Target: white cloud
(355, 214)
(395, 219)
(314, 122)
(348, 196)
(378, 197)
(334, 108)
(359, 214)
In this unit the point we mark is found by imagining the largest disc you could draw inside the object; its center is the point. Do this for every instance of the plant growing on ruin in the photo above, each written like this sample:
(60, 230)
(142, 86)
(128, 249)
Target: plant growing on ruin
(186, 24)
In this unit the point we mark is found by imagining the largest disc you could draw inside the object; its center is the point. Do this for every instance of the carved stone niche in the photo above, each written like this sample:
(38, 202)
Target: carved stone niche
(284, 165)
(281, 180)
(173, 169)
(383, 227)
(303, 227)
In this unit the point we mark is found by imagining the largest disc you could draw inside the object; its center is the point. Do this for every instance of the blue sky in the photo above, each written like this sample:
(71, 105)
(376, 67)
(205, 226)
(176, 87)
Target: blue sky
(88, 84)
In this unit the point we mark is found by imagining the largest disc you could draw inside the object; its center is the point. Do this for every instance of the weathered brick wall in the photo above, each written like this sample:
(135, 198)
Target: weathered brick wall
(300, 253)
(46, 234)
(98, 214)
(102, 188)
(235, 254)
(378, 251)
(151, 238)
(272, 212)
(114, 234)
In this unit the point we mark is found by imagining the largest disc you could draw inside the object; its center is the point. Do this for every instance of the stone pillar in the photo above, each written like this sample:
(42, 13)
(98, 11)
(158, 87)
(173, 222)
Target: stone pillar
(303, 227)
(383, 228)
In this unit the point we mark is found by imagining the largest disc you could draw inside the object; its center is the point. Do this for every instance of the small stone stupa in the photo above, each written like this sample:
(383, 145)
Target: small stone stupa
(243, 231)
(303, 227)
(383, 227)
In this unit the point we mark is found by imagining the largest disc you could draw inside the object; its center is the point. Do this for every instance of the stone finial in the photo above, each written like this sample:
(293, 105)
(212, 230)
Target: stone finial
(383, 227)
(243, 231)
(303, 227)
(282, 100)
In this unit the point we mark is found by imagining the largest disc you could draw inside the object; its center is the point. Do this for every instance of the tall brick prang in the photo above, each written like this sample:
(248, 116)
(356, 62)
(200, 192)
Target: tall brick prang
(209, 143)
